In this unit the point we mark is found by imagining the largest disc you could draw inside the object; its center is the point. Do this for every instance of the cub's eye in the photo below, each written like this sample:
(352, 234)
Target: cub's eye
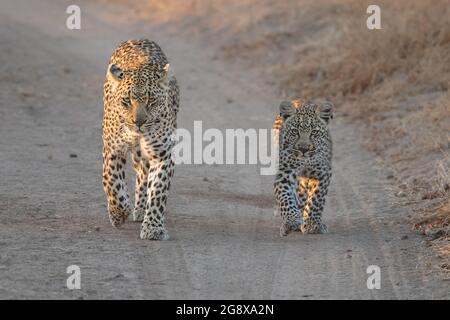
(314, 132)
(152, 100)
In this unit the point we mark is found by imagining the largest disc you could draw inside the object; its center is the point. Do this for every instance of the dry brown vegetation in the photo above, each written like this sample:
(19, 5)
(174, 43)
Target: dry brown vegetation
(394, 82)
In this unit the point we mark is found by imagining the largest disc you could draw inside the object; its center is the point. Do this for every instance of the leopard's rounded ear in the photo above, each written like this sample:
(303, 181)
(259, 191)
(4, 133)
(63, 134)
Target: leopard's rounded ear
(286, 109)
(165, 76)
(325, 111)
(114, 72)
(167, 69)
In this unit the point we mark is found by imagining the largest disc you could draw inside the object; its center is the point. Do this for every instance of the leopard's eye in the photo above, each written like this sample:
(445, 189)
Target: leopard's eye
(314, 132)
(126, 102)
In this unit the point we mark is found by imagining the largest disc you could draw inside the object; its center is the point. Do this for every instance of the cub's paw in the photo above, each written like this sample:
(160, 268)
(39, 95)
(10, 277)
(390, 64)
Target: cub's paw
(284, 230)
(138, 215)
(117, 216)
(314, 228)
(153, 233)
(289, 226)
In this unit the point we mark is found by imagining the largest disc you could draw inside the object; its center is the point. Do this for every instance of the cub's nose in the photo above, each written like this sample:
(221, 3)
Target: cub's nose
(303, 149)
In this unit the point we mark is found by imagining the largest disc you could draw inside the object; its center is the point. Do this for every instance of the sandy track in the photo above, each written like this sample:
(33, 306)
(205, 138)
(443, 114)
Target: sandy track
(224, 238)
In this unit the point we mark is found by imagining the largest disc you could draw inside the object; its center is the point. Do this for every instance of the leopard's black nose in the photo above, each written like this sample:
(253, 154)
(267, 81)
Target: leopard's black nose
(139, 123)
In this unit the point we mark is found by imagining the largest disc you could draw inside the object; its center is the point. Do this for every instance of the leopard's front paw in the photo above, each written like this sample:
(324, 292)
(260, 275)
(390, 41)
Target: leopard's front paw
(314, 228)
(118, 216)
(276, 212)
(153, 233)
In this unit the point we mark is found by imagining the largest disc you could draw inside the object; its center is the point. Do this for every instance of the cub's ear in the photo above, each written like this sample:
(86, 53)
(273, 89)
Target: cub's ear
(114, 72)
(325, 111)
(286, 109)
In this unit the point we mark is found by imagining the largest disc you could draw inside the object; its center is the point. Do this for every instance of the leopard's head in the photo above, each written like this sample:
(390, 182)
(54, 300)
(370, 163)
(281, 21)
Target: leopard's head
(141, 93)
(305, 127)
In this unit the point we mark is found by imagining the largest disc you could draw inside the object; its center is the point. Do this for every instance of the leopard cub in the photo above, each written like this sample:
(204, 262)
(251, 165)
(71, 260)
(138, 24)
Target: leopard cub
(304, 172)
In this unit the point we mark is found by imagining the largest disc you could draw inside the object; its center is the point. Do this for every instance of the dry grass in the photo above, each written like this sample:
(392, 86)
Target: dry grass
(394, 82)
(434, 222)
(408, 56)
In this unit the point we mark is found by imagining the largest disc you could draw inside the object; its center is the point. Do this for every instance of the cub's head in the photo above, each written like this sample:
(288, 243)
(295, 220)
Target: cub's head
(305, 126)
(140, 93)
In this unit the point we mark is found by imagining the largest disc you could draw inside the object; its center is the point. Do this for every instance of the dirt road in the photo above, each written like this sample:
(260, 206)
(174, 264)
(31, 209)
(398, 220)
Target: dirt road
(224, 241)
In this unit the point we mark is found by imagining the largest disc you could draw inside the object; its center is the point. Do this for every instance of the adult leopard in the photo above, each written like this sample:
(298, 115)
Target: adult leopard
(141, 102)
(304, 171)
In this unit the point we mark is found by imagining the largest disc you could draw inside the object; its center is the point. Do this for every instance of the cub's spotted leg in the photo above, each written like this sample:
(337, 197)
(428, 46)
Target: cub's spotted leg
(285, 190)
(141, 166)
(302, 193)
(158, 185)
(119, 204)
(312, 214)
